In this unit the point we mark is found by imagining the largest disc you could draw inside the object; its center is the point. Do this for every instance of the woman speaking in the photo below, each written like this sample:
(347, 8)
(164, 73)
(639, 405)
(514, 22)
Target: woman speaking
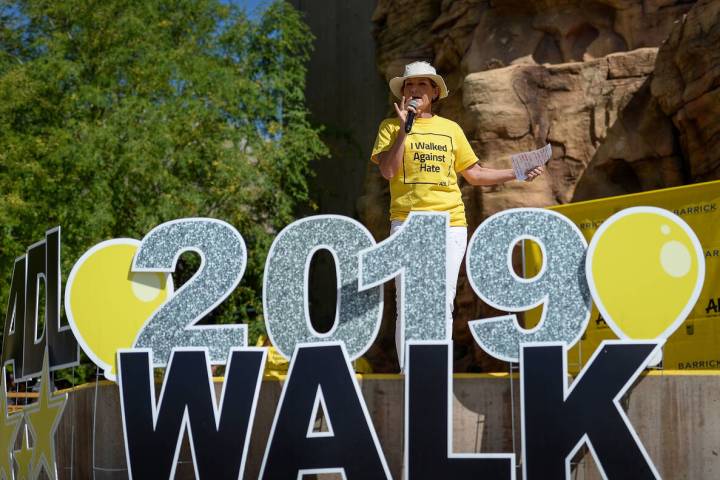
(421, 155)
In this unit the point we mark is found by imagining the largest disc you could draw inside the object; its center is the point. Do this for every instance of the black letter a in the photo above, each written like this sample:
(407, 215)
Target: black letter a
(322, 371)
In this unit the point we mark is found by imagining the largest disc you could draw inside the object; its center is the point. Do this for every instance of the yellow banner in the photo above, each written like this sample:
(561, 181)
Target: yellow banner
(696, 344)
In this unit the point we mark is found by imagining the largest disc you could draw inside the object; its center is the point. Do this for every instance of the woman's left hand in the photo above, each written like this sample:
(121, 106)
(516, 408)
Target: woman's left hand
(534, 173)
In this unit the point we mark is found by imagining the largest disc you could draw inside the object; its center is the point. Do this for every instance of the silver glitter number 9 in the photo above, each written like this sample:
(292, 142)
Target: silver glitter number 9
(285, 300)
(417, 253)
(560, 285)
(223, 258)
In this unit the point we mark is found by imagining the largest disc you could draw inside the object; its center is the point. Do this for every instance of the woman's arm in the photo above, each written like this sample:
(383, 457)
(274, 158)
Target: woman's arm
(477, 175)
(389, 161)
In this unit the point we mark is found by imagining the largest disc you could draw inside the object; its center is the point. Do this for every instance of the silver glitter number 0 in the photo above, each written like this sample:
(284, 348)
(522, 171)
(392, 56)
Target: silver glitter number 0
(285, 298)
(223, 259)
(417, 252)
(560, 285)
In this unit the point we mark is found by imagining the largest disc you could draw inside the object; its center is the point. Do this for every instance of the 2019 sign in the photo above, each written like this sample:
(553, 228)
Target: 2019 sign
(126, 317)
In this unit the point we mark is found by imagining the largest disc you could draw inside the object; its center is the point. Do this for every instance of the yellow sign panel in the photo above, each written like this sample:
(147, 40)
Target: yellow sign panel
(696, 343)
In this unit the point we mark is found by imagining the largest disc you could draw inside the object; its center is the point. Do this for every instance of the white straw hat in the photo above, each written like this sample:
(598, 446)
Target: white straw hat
(418, 69)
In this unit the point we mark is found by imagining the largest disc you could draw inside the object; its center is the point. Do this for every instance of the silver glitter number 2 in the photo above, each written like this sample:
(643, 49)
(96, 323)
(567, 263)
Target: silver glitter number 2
(223, 259)
(417, 253)
(560, 285)
(285, 299)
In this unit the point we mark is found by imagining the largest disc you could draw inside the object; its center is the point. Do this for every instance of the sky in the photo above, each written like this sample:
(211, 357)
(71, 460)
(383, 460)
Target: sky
(253, 7)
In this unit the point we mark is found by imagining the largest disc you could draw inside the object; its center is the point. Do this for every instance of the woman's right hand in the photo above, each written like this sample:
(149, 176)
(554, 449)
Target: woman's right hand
(402, 111)
(404, 107)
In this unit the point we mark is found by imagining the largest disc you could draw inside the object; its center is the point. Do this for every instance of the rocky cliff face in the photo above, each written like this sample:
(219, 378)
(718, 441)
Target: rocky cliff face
(686, 84)
(626, 91)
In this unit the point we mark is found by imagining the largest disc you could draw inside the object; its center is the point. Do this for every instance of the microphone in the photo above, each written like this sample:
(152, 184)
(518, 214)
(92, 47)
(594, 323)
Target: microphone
(410, 115)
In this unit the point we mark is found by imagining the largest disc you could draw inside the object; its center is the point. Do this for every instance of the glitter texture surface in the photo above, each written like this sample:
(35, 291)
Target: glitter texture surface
(560, 285)
(416, 252)
(287, 317)
(224, 257)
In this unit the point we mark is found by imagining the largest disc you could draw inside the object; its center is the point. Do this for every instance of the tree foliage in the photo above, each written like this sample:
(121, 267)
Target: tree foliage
(118, 115)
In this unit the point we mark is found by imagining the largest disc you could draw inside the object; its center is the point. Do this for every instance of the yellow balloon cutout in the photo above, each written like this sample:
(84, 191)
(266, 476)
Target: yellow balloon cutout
(107, 304)
(645, 269)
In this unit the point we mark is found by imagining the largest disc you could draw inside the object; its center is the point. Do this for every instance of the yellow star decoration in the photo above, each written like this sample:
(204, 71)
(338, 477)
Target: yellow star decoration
(23, 457)
(9, 427)
(43, 418)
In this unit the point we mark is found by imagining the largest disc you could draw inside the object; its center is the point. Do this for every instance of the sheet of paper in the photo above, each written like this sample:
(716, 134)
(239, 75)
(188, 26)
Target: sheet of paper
(525, 161)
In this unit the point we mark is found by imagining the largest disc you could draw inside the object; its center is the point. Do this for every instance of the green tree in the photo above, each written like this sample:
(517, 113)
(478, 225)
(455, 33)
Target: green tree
(118, 115)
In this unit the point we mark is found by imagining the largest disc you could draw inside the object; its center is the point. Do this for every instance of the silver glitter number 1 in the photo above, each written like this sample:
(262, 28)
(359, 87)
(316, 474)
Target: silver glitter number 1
(560, 285)
(223, 258)
(417, 253)
(285, 299)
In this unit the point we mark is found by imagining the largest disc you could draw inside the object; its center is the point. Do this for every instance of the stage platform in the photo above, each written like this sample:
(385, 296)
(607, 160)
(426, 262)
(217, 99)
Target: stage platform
(676, 415)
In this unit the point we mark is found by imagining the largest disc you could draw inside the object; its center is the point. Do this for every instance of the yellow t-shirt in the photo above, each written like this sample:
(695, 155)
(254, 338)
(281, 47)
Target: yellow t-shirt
(435, 151)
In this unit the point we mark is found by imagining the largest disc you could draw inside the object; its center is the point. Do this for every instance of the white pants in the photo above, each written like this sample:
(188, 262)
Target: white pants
(456, 243)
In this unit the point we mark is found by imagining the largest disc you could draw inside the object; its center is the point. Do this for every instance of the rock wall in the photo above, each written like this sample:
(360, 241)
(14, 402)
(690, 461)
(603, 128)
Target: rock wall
(686, 84)
(625, 109)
